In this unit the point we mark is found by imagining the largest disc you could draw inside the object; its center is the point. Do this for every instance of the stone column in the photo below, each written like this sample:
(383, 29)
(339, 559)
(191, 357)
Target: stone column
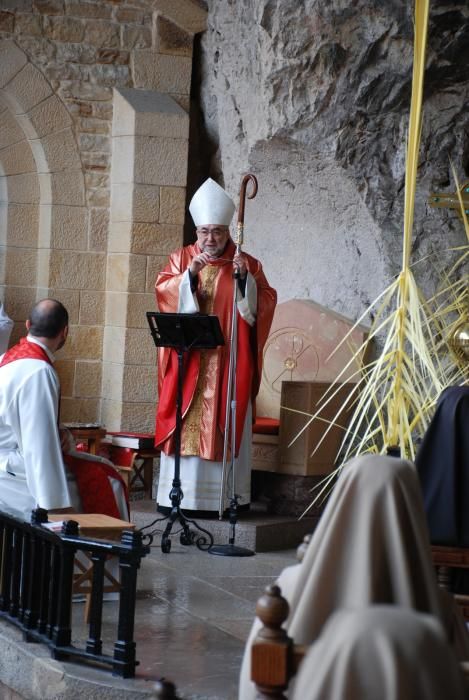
(148, 176)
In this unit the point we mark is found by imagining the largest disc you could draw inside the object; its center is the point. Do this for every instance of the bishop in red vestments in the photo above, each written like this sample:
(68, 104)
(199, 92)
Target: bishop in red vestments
(199, 277)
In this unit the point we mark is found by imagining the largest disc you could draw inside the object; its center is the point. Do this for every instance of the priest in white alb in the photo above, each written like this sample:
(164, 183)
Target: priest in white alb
(37, 469)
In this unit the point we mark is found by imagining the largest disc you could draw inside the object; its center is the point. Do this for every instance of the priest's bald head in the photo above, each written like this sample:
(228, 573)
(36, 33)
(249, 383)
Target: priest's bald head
(48, 322)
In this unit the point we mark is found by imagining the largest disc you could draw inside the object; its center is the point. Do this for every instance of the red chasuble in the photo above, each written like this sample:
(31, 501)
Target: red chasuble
(95, 491)
(212, 363)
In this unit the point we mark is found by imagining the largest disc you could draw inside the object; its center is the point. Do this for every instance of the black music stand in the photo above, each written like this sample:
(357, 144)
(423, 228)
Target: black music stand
(183, 332)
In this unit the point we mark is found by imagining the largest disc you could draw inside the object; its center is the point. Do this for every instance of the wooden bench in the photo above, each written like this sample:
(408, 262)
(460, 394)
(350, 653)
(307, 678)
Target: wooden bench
(445, 559)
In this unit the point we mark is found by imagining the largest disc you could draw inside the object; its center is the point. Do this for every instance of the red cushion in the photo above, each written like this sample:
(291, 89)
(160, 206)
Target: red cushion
(121, 456)
(125, 433)
(266, 426)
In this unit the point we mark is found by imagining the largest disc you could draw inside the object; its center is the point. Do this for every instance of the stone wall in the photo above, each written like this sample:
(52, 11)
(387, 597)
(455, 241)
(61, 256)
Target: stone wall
(62, 64)
(314, 98)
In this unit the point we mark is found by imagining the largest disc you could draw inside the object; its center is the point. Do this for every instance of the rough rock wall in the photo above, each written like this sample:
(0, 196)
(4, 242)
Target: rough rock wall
(314, 98)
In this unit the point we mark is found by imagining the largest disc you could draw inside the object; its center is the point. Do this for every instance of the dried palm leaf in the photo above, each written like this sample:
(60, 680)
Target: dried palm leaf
(399, 388)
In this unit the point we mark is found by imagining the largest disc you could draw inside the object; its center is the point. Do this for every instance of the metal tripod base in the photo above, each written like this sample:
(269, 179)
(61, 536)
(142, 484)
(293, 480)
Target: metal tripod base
(230, 550)
(203, 540)
(187, 536)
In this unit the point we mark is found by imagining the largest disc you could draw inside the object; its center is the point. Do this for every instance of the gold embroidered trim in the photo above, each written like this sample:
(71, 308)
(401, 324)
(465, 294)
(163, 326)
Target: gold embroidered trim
(190, 438)
(207, 283)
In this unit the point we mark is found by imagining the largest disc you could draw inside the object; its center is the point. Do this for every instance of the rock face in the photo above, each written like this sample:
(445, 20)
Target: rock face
(314, 97)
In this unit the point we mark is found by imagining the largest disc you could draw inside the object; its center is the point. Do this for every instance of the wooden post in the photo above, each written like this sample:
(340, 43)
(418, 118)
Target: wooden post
(301, 550)
(164, 690)
(271, 654)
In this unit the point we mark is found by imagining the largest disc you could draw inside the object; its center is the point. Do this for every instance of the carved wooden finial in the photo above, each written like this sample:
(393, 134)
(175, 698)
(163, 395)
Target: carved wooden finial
(272, 609)
(271, 649)
(164, 690)
(301, 551)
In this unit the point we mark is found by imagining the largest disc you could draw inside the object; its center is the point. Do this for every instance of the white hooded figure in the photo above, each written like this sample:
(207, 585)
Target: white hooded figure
(384, 652)
(371, 547)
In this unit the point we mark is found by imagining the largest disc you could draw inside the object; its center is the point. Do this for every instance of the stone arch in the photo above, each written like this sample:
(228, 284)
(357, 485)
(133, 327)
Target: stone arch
(44, 221)
(19, 215)
(42, 189)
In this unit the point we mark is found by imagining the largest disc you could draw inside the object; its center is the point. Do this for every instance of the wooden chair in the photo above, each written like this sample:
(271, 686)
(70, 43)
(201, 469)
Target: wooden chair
(445, 559)
(90, 436)
(135, 466)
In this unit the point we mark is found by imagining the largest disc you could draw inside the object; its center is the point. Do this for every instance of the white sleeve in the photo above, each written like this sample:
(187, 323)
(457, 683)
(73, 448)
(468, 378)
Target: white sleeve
(35, 416)
(5, 320)
(247, 305)
(6, 326)
(188, 303)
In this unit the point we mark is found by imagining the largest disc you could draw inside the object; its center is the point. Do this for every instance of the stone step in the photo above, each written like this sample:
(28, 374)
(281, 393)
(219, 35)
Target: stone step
(255, 530)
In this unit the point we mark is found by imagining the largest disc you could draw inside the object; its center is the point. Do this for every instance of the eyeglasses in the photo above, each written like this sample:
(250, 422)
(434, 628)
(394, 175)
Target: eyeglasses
(215, 232)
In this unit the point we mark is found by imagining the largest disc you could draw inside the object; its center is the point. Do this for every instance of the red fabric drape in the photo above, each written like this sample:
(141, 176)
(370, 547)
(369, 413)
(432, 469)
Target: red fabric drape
(93, 485)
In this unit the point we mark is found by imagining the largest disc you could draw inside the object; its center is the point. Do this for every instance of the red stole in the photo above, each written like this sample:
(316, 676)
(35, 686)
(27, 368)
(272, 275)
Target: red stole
(24, 350)
(95, 491)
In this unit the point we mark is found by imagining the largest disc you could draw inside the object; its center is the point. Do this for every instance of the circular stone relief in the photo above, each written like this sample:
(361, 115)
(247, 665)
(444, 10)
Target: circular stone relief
(289, 355)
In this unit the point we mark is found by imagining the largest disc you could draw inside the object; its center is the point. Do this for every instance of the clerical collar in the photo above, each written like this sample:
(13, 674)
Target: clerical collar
(31, 339)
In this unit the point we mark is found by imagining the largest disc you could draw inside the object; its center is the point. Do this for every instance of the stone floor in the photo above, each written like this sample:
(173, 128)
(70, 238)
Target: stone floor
(194, 615)
(194, 612)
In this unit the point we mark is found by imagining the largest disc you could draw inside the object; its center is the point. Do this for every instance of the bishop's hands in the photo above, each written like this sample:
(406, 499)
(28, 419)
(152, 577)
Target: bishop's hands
(202, 259)
(198, 263)
(240, 265)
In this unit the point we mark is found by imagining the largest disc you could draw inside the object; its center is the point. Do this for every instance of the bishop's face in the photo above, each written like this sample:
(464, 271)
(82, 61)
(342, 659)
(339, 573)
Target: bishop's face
(212, 239)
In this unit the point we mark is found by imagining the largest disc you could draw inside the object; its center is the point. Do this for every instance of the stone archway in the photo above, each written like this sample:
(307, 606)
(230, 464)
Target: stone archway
(44, 222)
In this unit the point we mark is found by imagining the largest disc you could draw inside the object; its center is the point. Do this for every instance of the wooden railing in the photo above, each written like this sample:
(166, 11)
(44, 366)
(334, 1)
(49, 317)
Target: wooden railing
(36, 583)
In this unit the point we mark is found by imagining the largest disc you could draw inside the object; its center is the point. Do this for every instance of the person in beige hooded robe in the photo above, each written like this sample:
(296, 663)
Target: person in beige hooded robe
(371, 546)
(382, 652)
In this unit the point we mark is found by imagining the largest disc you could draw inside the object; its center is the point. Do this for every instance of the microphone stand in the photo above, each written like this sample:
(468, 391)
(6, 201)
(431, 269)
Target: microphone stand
(230, 549)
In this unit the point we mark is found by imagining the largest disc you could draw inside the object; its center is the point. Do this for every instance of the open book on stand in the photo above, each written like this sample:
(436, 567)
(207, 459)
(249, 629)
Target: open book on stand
(137, 441)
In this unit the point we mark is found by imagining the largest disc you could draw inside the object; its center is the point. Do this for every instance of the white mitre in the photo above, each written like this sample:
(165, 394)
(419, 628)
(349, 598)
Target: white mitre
(211, 205)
